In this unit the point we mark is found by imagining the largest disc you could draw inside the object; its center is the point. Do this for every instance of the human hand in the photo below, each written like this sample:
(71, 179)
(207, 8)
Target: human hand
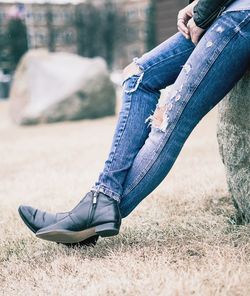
(184, 16)
(195, 32)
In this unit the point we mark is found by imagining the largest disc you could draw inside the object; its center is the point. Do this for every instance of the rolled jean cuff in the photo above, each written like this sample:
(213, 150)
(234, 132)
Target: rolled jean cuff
(108, 192)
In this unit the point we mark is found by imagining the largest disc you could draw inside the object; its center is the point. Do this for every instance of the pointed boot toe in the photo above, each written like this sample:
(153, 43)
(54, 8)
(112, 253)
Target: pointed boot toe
(27, 214)
(36, 219)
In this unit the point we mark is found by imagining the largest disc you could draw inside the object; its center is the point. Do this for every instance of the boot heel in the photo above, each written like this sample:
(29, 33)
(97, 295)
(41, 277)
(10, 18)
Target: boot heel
(108, 229)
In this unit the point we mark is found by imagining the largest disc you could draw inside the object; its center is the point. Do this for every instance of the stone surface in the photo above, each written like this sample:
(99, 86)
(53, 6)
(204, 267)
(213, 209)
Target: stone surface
(51, 87)
(234, 144)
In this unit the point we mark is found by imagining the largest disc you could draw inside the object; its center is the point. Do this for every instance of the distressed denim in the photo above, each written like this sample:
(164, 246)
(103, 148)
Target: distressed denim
(143, 153)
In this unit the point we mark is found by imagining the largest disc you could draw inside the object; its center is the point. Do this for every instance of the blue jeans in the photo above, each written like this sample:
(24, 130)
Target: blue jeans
(144, 150)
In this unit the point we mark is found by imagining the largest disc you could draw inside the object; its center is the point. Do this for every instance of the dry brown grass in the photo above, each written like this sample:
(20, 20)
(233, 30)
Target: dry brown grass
(177, 242)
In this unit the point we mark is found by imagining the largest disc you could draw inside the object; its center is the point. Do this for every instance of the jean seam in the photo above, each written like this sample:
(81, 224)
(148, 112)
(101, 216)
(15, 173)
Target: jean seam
(121, 133)
(166, 136)
(125, 119)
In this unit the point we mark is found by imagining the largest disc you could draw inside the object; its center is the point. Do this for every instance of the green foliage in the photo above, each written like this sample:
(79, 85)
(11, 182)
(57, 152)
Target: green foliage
(13, 44)
(151, 40)
(4, 55)
(99, 30)
(51, 29)
(16, 40)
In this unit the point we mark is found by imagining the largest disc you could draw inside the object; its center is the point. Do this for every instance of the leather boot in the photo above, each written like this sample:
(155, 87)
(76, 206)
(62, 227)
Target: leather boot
(96, 214)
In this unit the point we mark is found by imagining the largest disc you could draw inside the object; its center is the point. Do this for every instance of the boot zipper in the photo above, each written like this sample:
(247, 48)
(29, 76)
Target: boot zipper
(94, 203)
(95, 197)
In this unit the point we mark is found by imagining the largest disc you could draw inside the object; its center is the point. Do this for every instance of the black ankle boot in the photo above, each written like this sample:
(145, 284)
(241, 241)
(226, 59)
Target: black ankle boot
(96, 214)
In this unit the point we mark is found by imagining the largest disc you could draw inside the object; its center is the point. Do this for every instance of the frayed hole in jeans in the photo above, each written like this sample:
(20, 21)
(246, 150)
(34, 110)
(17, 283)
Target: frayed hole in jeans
(134, 73)
(159, 119)
(130, 70)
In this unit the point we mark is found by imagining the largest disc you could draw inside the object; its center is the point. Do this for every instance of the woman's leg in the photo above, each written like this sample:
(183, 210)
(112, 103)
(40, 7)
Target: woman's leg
(152, 72)
(219, 60)
(215, 65)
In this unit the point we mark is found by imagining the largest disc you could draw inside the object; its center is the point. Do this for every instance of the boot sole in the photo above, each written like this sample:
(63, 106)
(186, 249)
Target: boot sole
(65, 236)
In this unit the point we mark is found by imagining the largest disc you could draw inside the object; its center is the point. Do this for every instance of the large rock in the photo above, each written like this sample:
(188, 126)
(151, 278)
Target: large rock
(51, 87)
(234, 144)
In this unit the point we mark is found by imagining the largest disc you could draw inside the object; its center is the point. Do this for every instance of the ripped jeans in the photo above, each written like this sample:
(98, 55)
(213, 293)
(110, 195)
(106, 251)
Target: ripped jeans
(149, 136)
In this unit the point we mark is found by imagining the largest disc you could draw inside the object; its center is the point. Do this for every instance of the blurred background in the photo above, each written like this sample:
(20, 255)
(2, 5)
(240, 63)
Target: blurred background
(116, 30)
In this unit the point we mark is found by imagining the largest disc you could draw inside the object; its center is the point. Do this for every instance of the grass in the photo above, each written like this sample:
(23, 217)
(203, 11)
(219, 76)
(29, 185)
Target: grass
(179, 241)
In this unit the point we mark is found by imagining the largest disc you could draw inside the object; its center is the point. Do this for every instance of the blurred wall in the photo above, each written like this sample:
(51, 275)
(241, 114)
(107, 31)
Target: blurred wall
(53, 26)
(62, 36)
(166, 17)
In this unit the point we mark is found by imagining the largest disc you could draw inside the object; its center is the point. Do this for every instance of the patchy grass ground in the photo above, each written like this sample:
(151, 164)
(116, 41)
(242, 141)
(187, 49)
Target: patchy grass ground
(177, 242)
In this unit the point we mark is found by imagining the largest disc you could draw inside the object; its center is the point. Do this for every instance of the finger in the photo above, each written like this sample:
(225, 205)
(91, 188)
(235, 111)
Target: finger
(181, 14)
(183, 33)
(189, 25)
(195, 38)
(194, 41)
(197, 35)
(181, 26)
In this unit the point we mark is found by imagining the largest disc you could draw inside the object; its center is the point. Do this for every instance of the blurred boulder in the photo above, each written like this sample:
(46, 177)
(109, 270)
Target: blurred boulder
(234, 143)
(51, 87)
